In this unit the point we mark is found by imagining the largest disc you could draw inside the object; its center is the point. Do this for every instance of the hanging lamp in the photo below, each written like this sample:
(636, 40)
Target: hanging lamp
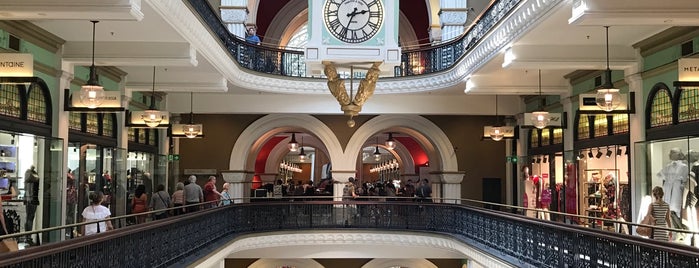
(293, 144)
(191, 130)
(302, 153)
(92, 93)
(377, 154)
(152, 117)
(496, 132)
(390, 142)
(608, 98)
(541, 118)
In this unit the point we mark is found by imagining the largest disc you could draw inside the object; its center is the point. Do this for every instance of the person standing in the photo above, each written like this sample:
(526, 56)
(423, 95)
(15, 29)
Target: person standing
(96, 212)
(159, 201)
(138, 203)
(251, 36)
(225, 196)
(193, 194)
(211, 194)
(660, 210)
(178, 199)
(424, 191)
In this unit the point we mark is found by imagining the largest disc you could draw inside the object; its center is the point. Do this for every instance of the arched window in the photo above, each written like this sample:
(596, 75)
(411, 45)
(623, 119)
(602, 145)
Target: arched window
(141, 136)
(620, 123)
(10, 104)
(545, 137)
(660, 106)
(557, 136)
(36, 105)
(687, 108)
(534, 138)
(108, 125)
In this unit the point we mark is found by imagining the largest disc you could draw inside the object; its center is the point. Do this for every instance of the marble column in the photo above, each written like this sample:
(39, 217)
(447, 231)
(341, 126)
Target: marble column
(234, 13)
(450, 186)
(239, 184)
(340, 177)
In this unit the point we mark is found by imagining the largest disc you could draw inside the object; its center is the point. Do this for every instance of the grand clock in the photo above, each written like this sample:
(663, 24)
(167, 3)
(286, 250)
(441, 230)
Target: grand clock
(353, 21)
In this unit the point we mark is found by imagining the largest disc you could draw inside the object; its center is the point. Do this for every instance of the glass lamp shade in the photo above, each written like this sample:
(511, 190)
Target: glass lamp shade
(496, 133)
(293, 144)
(608, 99)
(191, 130)
(92, 96)
(377, 154)
(152, 118)
(302, 155)
(390, 142)
(541, 119)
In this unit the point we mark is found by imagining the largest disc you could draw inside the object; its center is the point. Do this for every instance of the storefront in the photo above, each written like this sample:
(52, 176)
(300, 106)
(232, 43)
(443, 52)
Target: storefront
(670, 156)
(30, 160)
(543, 184)
(597, 171)
(144, 166)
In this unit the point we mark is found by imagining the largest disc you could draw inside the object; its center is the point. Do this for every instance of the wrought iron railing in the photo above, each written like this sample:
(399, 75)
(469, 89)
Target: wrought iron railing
(258, 58)
(178, 241)
(418, 61)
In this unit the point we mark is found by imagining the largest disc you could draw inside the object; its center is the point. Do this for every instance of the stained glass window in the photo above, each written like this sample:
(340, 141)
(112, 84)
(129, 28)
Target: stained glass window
(689, 99)
(534, 137)
(9, 100)
(583, 127)
(132, 134)
(152, 136)
(545, 137)
(557, 136)
(142, 136)
(601, 124)
(74, 121)
(36, 107)
(620, 123)
(661, 109)
(92, 123)
(108, 125)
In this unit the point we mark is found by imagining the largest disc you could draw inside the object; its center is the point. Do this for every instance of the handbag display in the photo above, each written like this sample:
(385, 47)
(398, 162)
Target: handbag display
(643, 230)
(8, 245)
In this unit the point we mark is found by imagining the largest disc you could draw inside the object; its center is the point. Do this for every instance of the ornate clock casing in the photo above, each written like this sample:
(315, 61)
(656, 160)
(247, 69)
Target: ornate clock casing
(352, 31)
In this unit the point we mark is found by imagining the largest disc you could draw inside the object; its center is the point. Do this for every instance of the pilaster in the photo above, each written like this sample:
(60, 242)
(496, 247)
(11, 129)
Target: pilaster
(239, 186)
(450, 185)
(340, 177)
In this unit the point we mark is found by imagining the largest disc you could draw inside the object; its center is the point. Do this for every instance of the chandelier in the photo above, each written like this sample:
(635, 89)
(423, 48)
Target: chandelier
(92, 93)
(496, 132)
(191, 130)
(293, 144)
(541, 118)
(152, 117)
(608, 98)
(390, 142)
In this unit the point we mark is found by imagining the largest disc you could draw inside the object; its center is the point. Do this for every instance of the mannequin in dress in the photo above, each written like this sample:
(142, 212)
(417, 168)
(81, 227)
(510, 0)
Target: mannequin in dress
(674, 177)
(529, 193)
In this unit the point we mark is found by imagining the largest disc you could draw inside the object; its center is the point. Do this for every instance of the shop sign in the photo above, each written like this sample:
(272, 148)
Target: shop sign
(688, 69)
(112, 99)
(508, 131)
(588, 102)
(556, 119)
(16, 65)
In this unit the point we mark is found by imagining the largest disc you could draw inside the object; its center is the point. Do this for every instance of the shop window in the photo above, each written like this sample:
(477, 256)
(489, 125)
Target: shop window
(620, 123)
(534, 138)
(661, 109)
(10, 104)
(545, 137)
(108, 125)
(689, 99)
(601, 125)
(583, 127)
(36, 106)
(557, 136)
(92, 123)
(74, 121)
(132, 134)
(152, 137)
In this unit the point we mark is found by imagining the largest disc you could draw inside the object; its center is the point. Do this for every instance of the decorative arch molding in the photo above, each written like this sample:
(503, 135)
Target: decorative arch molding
(659, 96)
(350, 244)
(254, 136)
(437, 145)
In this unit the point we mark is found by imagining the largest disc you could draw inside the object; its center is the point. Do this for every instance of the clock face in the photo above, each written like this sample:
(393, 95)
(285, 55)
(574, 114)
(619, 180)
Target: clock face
(353, 21)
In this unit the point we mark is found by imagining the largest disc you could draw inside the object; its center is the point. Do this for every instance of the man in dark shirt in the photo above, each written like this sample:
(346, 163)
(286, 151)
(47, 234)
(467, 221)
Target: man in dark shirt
(424, 191)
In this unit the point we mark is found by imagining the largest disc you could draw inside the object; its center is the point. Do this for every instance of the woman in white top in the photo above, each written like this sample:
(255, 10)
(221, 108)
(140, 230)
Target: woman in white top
(94, 212)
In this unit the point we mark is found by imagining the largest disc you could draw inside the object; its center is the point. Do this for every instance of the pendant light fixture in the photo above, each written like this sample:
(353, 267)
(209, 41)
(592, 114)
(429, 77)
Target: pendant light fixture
(302, 153)
(541, 118)
(152, 117)
(293, 145)
(390, 142)
(496, 132)
(92, 93)
(377, 154)
(608, 98)
(191, 130)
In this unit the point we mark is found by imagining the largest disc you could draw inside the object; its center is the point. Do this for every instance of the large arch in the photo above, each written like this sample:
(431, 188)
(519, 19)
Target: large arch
(254, 136)
(432, 138)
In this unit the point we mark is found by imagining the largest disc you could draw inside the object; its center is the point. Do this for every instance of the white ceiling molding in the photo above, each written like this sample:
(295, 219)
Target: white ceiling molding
(218, 85)
(635, 13)
(566, 57)
(129, 10)
(131, 54)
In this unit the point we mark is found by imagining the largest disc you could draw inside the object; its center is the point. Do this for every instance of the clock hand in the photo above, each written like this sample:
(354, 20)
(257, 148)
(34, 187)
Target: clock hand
(354, 13)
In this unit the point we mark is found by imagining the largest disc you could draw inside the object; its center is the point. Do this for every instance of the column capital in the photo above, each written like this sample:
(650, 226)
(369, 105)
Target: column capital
(453, 177)
(236, 176)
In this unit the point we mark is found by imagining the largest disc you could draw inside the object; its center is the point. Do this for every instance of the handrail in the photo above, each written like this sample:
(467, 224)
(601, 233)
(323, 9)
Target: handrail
(517, 239)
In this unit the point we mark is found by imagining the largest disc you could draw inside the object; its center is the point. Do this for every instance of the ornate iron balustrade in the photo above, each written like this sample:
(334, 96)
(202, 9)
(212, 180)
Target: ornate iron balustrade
(522, 241)
(250, 56)
(413, 61)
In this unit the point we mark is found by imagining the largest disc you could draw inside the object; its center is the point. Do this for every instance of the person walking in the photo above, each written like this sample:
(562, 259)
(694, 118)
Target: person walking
(660, 210)
(94, 212)
(192, 195)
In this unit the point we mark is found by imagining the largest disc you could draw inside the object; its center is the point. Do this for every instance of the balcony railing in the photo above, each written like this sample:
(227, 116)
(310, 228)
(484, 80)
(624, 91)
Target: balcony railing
(418, 61)
(517, 239)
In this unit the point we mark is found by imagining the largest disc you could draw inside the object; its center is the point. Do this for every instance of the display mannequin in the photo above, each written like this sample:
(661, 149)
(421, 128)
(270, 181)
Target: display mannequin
(674, 177)
(31, 195)
(571, 182)
(545, 202)
(529, 199)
